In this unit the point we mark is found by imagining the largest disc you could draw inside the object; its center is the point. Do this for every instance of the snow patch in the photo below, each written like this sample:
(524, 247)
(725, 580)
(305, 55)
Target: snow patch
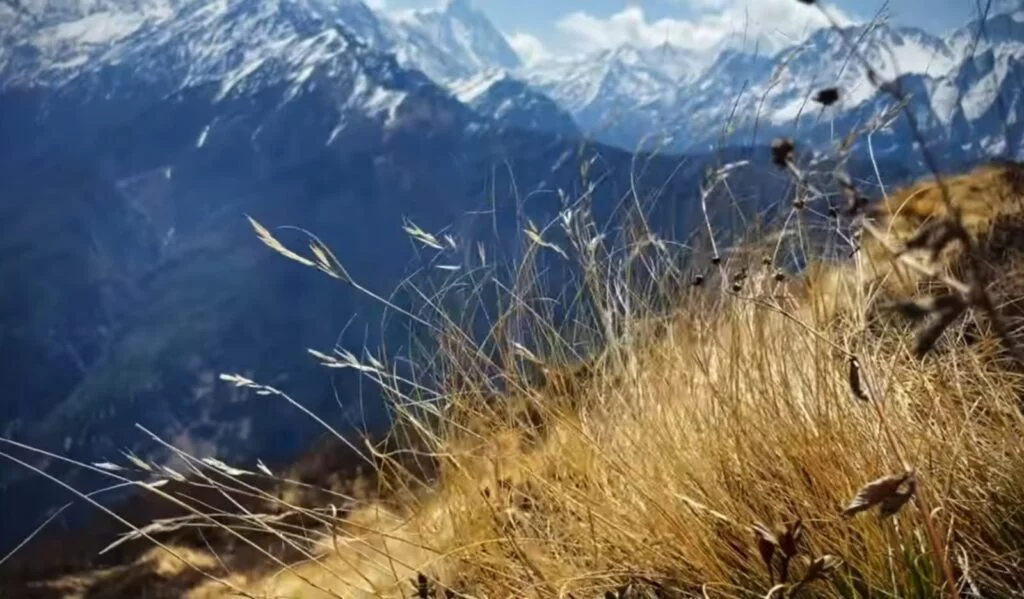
(233, 79)
(980, 97)
(468, 90)
(202, 137)
(97, 28)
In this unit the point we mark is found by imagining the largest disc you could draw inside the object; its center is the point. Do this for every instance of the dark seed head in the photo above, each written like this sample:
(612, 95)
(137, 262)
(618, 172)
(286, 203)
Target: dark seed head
(799, 204)
(716, 260)
(827, 96)
(737, 287)
(698, 280)
(767, 261)
(782, 151)
(780, 276)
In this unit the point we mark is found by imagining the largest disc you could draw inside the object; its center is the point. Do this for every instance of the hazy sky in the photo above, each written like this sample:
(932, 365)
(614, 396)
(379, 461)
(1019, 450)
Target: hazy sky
(559, 26)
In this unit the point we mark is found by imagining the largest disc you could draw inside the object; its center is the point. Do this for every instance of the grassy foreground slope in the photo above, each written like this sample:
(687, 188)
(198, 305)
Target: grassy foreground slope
(761, 438)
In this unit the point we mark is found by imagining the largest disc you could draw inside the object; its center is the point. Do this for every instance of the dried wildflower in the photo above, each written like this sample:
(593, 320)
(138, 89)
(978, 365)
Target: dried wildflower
(782, 151)
(786, 542)
(767, 261)
(936, 236)
(894, 503)
(827, 96)
(855, 202)
(422, 586)
(930, 333)
(878, 491)
(698, 280)
(799, 204)
(780, 276)
(766, 544)
(818, 569)
(920, 309)
(716, 260)
(790, 538)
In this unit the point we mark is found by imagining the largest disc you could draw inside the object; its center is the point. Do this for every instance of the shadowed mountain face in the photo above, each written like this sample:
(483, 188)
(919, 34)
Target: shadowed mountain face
(133, 279)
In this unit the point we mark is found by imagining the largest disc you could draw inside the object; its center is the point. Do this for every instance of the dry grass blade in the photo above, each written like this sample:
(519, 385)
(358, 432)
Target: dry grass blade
(270, 241)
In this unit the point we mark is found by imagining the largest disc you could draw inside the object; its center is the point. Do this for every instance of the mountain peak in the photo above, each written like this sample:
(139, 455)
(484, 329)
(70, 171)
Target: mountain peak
(459, 6)
(454, 41)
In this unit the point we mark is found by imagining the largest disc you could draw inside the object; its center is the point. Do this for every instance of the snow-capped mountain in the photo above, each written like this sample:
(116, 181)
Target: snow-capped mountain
(616, 94)
(694, 101)
(453, 42)
(513, 103)
(747, 97)
(52, 42)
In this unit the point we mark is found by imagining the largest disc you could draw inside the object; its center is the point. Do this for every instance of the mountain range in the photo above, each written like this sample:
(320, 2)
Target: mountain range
(965, 85)
(136, 135)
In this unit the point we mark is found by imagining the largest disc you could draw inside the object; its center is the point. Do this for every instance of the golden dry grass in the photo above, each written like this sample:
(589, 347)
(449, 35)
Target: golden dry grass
(740, 418)
(676, 463)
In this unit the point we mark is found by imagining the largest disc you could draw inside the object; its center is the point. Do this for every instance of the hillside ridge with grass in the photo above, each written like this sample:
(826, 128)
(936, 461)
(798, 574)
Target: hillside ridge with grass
(726, 450)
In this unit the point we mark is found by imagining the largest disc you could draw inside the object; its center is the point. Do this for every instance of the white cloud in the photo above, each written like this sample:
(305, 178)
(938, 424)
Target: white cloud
(775, 22)
(528, 47)
(377, 4)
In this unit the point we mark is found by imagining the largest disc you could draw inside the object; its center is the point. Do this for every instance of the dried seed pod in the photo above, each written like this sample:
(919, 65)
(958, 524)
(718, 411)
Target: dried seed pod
(877, 491)
(827, 96)
(789, 540)
(929, 334)
(936, 236)
(766, 544)
(854, 379)
(818, 569)
(893, 504)
(920, 309)
(422, 585)
(782, 151)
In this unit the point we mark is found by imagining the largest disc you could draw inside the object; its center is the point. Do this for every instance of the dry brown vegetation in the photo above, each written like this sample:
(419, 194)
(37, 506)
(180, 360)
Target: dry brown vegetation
(742, 446)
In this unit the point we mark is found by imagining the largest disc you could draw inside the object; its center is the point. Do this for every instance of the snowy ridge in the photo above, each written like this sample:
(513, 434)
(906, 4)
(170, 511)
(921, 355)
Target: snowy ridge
(732, 95)
(510, 102)
(453, 42)
(620, 96)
